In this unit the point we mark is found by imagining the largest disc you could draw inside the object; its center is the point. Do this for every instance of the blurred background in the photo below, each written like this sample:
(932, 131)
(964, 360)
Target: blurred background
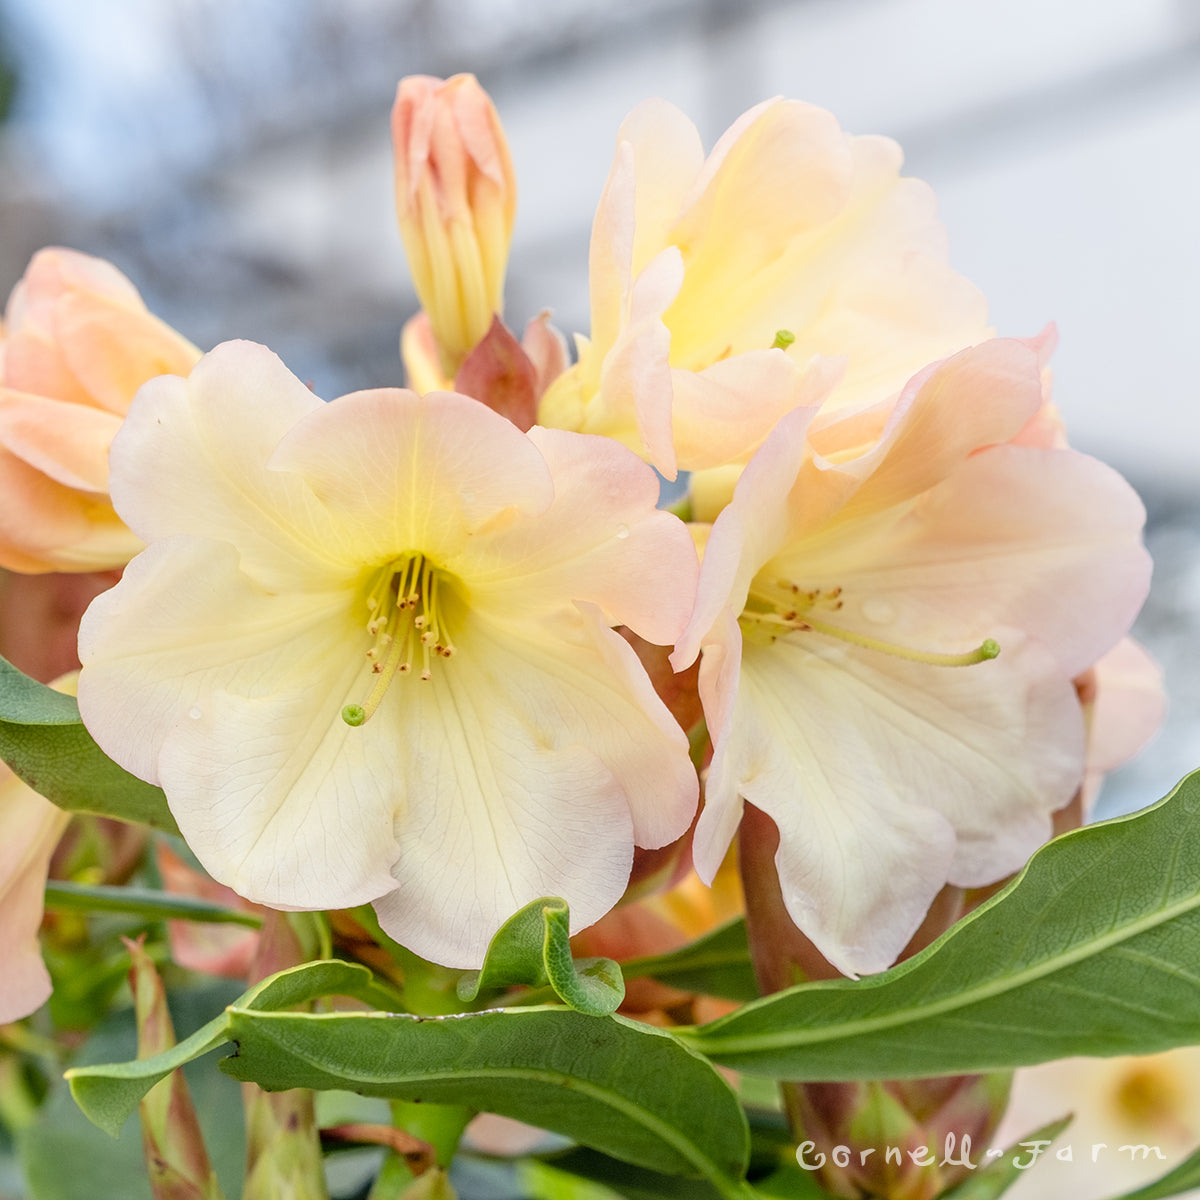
(235, 161)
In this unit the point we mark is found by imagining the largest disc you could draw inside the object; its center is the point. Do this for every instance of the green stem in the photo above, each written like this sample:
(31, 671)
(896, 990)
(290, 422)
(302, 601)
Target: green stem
(81, 897)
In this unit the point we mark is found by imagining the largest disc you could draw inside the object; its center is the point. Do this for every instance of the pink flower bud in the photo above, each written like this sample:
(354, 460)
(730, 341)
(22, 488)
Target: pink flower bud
(455, 201)
(176, 1158)
(905, 1140)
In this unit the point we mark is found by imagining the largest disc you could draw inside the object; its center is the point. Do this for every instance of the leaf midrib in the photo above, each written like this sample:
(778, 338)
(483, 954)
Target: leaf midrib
(687, 1150)
(988, 990)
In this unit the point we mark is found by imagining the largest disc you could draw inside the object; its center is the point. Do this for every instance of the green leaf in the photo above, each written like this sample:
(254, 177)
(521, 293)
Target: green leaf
(996, 1177)
(63, 896)
(45, 743)
(718, 964)
(109, 1093)
(625, 1089)
(550, 1178)
(534, 947)
(1179, 1179)
(1104, 922)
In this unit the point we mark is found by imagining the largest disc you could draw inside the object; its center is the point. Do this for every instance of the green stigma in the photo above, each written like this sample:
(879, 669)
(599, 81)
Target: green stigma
(354, 714)
(783, 339)
(989, 649)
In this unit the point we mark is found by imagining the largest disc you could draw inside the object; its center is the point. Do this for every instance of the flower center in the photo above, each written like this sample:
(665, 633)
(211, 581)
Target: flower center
(406, 618)
(778, 607)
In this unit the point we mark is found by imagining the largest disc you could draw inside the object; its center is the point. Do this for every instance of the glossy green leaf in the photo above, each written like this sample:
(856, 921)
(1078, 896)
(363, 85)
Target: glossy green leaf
(45, 743)
(625, 1089)
(110, 1092)
(718, 964)
(1093, 950)
(533, 947)
(1179, 1179)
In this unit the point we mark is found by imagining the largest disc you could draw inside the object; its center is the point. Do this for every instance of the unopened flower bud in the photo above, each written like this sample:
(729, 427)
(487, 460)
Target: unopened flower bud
(176, 1159)
(455, 200)
(900, 1140)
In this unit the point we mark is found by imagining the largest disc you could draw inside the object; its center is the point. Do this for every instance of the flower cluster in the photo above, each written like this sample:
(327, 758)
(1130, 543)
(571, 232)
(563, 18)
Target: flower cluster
(392, 649)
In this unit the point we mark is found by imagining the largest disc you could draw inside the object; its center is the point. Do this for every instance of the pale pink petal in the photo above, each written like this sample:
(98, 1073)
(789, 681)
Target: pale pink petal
(45, 526)
(979, 397)
(29, 830)
(749, 531)
(419, 353)
(68, 442)
(429, 471)
(79, 332)
(113, 351)
(634, 401)
(1129, 707)
(601, 540)
(214, 949)
(492, 1134)
(1015, 537)
(546, 348)
(191, 459)
(667, 158)
(722, 414)
(610, 254)
(871, 765)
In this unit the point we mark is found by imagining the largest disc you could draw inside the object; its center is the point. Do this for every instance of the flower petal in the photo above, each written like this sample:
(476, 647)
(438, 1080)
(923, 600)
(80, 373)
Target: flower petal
(887, 779)
(68, 442)
(722, 414)
(601, 540)
(29, 830)
(191, 459)
(230, 697)
(1129, 705)
(1016, 536)
(428, 471)
(45, 526)
(561, 758)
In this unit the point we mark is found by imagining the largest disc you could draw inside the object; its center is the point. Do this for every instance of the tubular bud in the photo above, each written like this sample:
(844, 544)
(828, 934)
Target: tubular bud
(455, 201)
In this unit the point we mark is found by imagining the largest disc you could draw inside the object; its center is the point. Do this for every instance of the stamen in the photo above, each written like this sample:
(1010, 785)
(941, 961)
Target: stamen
(782, 606)
(404, 612)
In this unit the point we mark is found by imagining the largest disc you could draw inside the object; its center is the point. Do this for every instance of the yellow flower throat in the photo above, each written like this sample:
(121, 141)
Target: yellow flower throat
(406, 620)
(777, 607)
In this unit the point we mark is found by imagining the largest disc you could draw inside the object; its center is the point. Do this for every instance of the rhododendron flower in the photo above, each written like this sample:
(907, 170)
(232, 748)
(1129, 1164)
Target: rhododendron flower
(715, 282)
(79, 343)
(890, 637)
(368, 656)
(456, 198)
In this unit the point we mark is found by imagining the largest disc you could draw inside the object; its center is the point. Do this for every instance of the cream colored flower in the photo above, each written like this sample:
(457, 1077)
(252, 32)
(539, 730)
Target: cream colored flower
(368, 651)
(890, 637)
(715, 282)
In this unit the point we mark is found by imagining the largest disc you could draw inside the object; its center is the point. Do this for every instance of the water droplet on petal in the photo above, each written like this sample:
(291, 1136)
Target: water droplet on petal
(194, 713)
(881, 612)
(622, 531)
